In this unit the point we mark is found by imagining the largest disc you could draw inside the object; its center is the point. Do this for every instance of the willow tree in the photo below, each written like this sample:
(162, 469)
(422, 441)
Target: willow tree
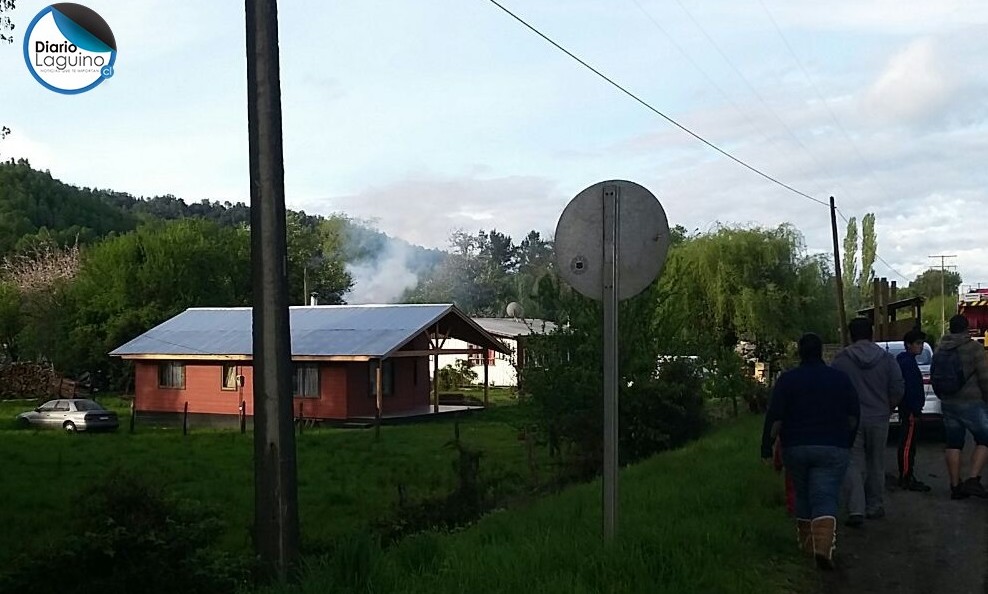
(751, 284)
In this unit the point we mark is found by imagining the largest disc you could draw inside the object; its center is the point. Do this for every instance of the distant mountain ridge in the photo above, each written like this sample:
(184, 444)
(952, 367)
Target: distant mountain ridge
(35, 206)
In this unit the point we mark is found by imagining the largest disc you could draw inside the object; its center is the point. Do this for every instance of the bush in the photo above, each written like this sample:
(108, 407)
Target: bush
(731, 380)
(452, 377)
(129, 536)
(662, 413)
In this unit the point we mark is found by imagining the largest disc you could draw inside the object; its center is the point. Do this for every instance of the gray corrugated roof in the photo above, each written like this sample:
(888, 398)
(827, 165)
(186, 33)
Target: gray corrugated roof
(320, 331)
(512, 327)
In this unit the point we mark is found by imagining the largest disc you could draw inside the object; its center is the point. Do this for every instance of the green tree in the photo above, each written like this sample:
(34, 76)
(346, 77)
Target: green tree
(849, 267)
(928, 284)
(869, 252)
(11, 320)
(739, 284)
(479, 274)
(315, 259)
(130, 283)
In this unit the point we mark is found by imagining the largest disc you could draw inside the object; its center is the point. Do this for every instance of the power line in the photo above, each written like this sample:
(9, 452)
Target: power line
(656, 111)
(752, 88)
(823, 100)
(768, 139)
(680, 126)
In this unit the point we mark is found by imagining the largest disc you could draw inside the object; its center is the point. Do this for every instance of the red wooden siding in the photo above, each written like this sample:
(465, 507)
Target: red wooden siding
(411, 384)
(203, 390)
(344, 389)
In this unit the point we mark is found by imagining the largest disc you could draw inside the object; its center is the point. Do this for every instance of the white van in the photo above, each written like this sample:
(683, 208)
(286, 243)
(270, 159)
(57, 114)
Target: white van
(931, 410)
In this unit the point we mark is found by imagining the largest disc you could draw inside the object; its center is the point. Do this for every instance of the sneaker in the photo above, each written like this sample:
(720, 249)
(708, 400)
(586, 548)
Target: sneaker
(854, 520)
(915, 485)
(973, 487)
(958, 492)
(877, 514)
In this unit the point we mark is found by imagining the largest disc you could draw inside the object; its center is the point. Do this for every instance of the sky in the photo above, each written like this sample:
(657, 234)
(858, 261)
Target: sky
(428, 117)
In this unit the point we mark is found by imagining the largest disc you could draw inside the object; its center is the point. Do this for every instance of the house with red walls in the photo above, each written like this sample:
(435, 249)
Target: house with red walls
(351, 362)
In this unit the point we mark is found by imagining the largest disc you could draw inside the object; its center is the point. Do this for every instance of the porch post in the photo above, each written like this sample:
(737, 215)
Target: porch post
(486, 377)
(435, 382)
(378, 381)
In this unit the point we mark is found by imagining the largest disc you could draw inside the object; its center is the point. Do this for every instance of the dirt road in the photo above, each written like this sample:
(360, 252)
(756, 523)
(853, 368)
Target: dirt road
(926, 544)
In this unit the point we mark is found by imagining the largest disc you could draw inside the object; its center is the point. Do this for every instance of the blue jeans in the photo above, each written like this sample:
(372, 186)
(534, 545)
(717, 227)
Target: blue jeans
(817, 474)
(962, 416)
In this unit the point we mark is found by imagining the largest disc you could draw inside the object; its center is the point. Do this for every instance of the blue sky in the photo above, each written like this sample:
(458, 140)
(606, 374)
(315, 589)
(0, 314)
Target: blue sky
(432, 116)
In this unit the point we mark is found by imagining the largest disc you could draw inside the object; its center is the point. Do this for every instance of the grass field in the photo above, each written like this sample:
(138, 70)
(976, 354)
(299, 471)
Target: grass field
(346, 478)
(708, 518)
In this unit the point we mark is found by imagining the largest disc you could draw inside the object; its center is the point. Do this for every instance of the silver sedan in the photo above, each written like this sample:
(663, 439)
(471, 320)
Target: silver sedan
(76, 414)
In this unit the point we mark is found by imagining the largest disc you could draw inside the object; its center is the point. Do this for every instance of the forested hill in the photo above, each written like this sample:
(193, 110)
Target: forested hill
(34, 205)
(32, 202)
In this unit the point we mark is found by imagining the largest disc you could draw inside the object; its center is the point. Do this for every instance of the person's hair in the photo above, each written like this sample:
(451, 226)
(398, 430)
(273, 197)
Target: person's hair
(914, 336)
(860, 329)
(958, 324)
(810, 347)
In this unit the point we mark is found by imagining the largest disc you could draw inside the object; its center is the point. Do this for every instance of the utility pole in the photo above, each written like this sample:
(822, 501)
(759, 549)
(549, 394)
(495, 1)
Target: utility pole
(276, 528)
(943, 291)
(837, 271)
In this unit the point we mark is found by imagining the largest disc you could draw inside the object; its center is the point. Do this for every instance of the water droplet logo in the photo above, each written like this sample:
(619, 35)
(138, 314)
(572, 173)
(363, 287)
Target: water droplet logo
(69, 48)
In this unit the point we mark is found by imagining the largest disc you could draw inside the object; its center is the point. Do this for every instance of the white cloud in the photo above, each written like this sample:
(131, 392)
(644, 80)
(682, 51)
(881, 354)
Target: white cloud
(915, 83)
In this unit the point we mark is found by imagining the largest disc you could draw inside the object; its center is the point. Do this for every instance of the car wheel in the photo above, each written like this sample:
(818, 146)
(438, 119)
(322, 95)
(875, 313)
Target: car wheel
(69, 426)
(23, 423)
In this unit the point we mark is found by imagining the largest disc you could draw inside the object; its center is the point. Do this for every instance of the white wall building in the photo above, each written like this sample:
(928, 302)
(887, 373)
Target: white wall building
(501, 368)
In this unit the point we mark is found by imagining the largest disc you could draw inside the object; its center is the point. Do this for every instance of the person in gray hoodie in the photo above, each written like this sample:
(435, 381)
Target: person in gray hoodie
(878, 380)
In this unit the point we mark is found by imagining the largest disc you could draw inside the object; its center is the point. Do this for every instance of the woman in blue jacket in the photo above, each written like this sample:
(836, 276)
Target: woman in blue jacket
(814, 412)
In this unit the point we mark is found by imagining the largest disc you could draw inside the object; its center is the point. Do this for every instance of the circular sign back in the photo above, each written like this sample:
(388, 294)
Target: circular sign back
(643, 239)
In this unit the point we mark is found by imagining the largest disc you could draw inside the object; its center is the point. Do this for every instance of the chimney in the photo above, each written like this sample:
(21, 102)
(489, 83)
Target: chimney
(314, 298)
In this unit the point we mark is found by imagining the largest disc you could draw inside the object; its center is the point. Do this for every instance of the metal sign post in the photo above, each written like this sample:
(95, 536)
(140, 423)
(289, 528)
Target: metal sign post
(611, 243)
(612, 230)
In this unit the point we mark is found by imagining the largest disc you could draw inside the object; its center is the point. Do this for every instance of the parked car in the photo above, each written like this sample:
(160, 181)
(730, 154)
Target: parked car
(75, 414)
(931, 409)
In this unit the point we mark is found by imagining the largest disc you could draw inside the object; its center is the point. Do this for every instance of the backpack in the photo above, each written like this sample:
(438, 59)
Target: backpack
(947, 373)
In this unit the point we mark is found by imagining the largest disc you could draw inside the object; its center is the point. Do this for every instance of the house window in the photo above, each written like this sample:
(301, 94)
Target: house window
(305, 381)
(231, 379)
(171, 375)
(478, 358)
(387, 378)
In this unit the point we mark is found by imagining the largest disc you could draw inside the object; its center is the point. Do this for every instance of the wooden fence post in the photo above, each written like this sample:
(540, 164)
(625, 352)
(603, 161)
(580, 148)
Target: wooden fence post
(185, 419)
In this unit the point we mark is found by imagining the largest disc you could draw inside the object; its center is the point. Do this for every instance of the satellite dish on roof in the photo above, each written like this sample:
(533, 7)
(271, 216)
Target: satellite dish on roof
(515, 310)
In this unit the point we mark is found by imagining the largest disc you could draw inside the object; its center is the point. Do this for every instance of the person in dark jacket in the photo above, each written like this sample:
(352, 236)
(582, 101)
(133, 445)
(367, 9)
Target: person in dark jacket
(814, 411)
(910, 409)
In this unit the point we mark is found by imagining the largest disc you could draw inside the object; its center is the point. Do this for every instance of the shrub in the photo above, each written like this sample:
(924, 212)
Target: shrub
(452, 377)
(129, 536)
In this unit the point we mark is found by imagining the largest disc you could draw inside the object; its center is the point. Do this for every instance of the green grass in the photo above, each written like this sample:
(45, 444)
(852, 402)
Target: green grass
(707, 518)
(347, 480)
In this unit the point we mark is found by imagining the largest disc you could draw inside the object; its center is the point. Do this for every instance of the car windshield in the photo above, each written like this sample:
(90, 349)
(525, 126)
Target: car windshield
(924, 358)
(85, 405)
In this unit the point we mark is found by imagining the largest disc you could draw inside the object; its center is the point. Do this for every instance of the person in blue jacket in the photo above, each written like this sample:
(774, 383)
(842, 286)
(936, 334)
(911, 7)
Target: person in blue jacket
(910, 410)
(814, 411)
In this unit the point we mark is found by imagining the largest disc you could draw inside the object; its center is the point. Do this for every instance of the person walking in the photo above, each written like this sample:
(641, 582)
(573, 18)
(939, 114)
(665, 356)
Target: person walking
(910, 409)
(814, 412)
(878, 381)
(959, 374)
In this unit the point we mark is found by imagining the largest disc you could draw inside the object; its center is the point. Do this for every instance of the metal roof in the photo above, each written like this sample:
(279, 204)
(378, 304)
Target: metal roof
(370, 331)
(514, 327)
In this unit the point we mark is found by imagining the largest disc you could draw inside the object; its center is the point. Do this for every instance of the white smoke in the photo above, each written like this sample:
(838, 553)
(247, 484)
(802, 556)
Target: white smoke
(385, 278)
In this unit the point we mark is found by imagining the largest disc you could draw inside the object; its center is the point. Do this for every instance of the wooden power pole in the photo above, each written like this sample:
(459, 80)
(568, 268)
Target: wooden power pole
(943, 291)
(276, 529)
(837, 272)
